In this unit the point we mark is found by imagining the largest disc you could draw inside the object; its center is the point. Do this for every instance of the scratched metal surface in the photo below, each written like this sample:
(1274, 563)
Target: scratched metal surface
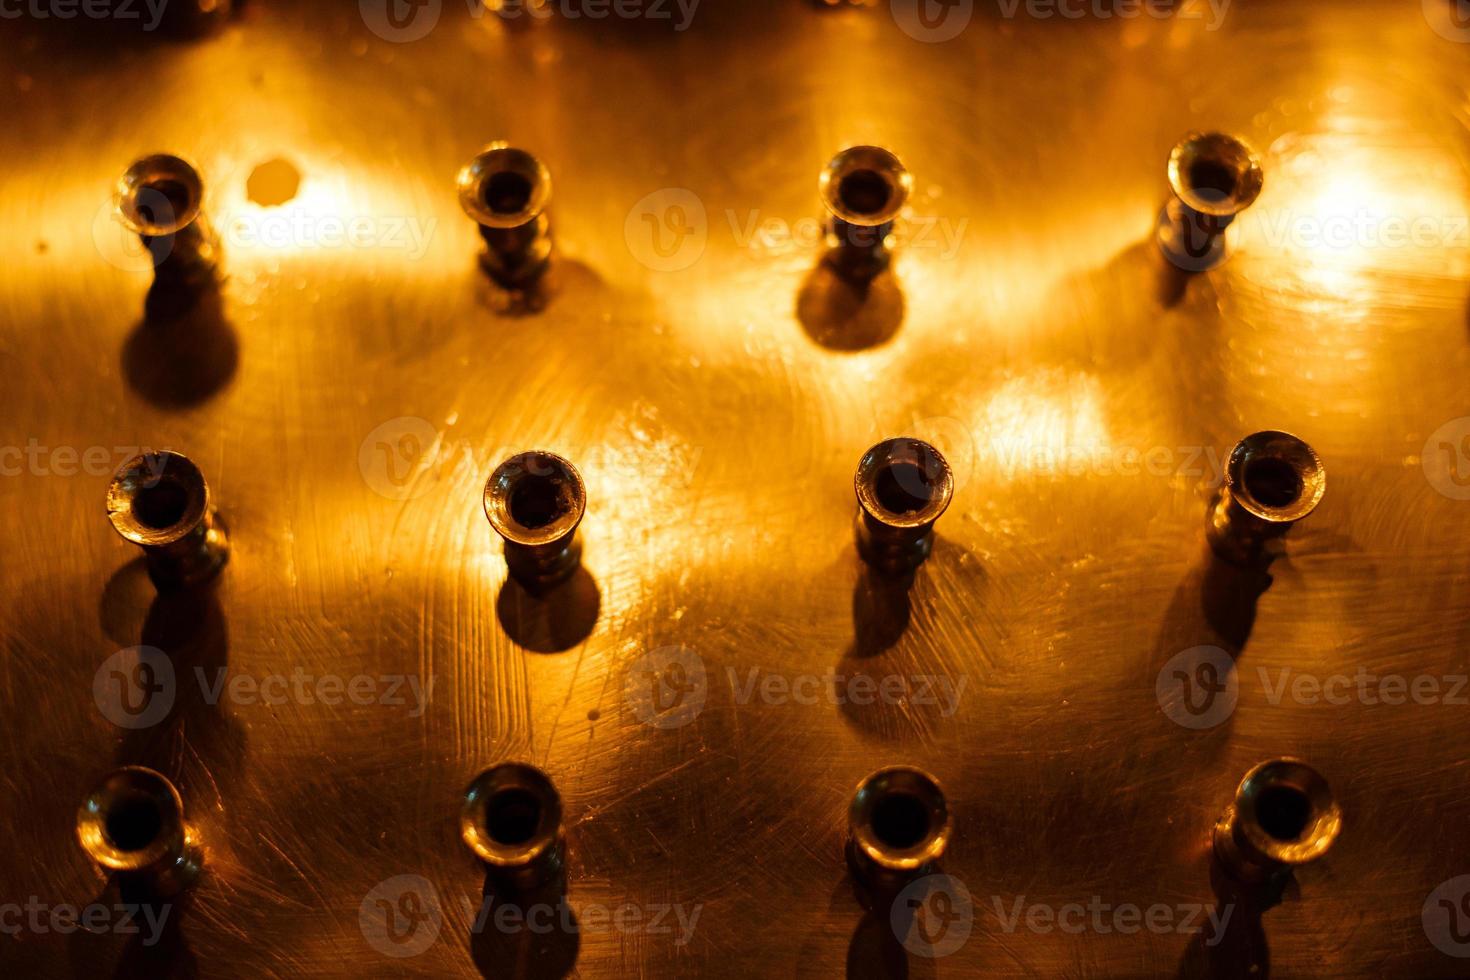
(717, 411)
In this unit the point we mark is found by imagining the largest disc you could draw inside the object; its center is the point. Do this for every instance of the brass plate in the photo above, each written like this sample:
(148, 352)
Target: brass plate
(717, 390)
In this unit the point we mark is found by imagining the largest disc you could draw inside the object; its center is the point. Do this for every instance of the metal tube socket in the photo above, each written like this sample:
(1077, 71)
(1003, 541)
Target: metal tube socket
(863, 189)
(511, 818)
(1213, 177)
(1283, 816)
(132, 824)
(506, 191)
(160, 502)
(898, 827)
(903, 486)
(1272, 480)
(535, 502)
(160, 198)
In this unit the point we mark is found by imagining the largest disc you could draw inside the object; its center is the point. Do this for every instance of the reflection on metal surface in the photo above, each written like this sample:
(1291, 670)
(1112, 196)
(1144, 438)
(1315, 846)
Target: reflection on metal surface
(161, 502)
(1272, 481)
(132, 824)
(1283, 816)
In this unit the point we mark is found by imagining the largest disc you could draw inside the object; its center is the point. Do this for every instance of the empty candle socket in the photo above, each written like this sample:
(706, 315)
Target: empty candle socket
(160, 502)
(903, 486)
(160, 198)
(1283, 816)
(132, 825)
(535, 501)
(506, 191)
(1213, 177)
(864, 189)
(1272, 480)
(511, 818)
(898, 827)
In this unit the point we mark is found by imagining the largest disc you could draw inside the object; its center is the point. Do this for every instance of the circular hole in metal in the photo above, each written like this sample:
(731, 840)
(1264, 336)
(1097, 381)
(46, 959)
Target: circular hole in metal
(160, 506)
(512, 816)
(864, 192)
(1273, 481)
(507, 192)
(903, 488)
(1214, 177)
(164, 201)
(1283, 811)
(133, 823)
(537, 501)
(900, 820)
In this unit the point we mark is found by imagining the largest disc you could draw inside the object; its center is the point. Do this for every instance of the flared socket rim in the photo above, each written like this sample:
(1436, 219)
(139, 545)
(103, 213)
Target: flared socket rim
(865, 186)
(1215, 173)
(899, 819)
(159, 195)
(1287, 811)
(511, 816)
(1276, 476)
(157, 498)
(904, 483)
(503, 186)
(535, 498)
(132, 820)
